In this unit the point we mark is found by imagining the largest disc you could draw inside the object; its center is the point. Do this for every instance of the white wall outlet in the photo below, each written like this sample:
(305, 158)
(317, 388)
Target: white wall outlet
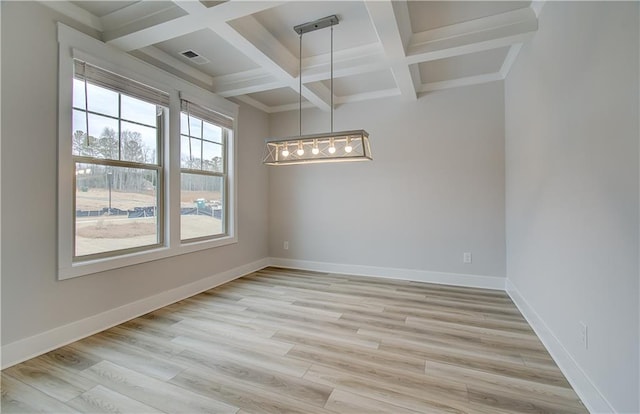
(285, 245)
(584, 335)
(466, 257)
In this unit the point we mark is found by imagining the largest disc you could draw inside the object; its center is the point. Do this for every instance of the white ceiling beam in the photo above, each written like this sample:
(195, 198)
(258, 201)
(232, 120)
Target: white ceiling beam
(250, 37)
(365, 96)
(387, 26)
(454, 83)
(290, 107)
(139, 11)
(130, 38)
(474, 36)
(266, 51)
(250, 81)
(258, 80)
(136, 35)
(256, 104)
(354, 61)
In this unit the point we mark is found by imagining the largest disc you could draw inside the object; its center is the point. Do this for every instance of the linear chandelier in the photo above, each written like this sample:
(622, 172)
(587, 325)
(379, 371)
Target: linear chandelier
(317, 148)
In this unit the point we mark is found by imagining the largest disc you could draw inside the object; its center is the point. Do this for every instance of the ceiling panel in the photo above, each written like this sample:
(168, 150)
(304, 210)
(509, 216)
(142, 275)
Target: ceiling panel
(479, 63)
(426, 15)
(102, 8)
(362, 83)
(354, 28)
(224, 59)
(277, 97)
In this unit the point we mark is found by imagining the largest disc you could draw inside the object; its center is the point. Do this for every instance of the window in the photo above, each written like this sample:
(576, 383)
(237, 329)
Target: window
(129, 191)
(203, 178)
(116, 140)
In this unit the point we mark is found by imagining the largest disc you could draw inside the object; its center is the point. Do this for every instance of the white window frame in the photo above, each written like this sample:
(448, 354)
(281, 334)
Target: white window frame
(74, 45)
(224, 174)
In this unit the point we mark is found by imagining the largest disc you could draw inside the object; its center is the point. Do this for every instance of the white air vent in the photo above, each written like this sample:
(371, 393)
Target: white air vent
(194, 57)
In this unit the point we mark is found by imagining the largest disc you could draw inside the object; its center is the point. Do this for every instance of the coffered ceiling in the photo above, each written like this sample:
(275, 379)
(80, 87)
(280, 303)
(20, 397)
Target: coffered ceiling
(249, 50)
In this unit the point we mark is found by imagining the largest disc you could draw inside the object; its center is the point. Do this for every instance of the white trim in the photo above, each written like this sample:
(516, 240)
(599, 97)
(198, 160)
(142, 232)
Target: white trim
(590, 395)
(455, 83)
(23, 349)
(455, 279)
(365, 96)
(509, 60)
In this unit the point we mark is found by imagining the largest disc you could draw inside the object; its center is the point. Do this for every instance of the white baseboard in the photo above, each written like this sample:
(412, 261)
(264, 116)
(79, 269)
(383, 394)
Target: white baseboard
(592, 398)
(456, 279)
(23, 349)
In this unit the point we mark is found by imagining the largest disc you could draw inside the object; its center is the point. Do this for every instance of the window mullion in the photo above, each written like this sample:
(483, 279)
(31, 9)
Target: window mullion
(201, 144)
(120, 126)
(115, 163)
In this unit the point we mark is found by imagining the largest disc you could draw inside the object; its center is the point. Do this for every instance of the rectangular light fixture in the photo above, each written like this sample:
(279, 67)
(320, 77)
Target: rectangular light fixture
(329, 147)
(333, 147)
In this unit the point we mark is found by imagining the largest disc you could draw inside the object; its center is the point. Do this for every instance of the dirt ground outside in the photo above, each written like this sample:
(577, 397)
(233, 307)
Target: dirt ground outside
(108, 233)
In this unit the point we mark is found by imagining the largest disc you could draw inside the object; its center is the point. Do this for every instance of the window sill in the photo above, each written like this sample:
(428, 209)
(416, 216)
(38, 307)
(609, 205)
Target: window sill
(100, 265)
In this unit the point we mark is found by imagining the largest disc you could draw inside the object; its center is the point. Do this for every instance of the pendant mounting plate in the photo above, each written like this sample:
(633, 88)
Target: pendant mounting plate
(316, 24)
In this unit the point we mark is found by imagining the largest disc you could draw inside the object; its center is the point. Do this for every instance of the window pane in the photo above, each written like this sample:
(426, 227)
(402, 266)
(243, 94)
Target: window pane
(116, 208)
(80, 144)
(139, 111)
(183, 124)
(212, 132)
(189, 156)
(196, 125)
(103, 136)
(196, 153)
(78, 94)
(212, 157)
(101, 100)
(139, 143)
(201, 202)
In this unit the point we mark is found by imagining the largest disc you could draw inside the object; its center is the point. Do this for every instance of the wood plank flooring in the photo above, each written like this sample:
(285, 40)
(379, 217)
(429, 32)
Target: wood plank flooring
(290, 341)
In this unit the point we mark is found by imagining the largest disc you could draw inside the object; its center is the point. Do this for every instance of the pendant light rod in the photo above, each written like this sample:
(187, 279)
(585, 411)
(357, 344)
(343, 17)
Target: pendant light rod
(316, 24)
(331, 79)
(300, 85)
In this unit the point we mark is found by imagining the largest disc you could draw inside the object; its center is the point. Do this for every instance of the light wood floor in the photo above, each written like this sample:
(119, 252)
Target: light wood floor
(285, 341)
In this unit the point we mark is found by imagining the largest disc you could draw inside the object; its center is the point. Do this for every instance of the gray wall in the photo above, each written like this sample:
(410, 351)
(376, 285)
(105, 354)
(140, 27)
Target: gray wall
(434, 190)
(33, 301)
(571, 104)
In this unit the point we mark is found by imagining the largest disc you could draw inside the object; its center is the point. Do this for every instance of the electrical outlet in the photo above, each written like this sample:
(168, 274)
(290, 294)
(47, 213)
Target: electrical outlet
(285, 245)
(584, 335)
(466, 257)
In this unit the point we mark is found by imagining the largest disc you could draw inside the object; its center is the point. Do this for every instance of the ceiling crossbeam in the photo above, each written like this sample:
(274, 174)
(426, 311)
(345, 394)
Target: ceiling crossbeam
(385, 21)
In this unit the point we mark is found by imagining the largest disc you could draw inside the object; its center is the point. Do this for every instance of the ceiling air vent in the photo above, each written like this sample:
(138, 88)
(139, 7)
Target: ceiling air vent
(194, 57)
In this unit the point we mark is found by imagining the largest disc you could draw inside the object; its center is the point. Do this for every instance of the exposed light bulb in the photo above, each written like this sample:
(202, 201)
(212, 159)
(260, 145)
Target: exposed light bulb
(348, 148)
(285, 151)
(300, 150)
(315, 150)
(332, 147)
